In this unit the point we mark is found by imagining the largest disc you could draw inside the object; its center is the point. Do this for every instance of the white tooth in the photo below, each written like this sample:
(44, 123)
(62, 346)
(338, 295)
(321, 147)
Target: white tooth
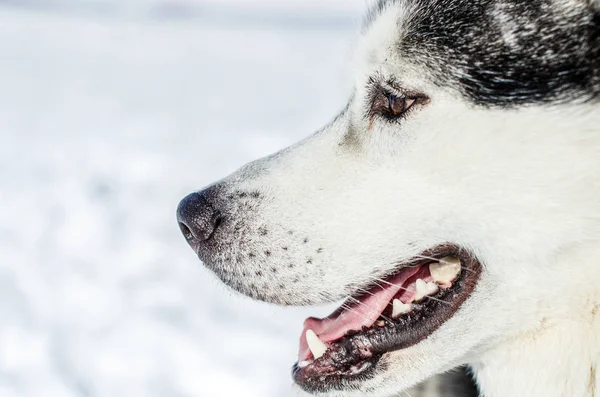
(400, 308)
(316, 345)
(425, 289)
(303, 364)
(446, 271)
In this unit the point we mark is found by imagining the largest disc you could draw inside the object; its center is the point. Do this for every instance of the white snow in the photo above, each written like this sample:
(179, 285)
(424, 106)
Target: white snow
(107, 120)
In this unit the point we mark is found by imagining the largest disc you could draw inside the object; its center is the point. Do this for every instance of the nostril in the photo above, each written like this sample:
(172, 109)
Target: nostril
(218, 223)
(199, 217)
(187, 233)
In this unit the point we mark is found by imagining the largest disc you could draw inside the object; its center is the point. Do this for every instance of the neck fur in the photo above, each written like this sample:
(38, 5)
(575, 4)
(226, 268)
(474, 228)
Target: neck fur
(560, 359)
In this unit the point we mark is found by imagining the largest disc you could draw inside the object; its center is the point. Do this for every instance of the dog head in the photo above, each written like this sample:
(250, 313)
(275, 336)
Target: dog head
(440, 203)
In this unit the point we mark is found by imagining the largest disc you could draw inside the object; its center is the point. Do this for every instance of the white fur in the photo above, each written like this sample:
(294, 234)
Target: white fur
(520, 188)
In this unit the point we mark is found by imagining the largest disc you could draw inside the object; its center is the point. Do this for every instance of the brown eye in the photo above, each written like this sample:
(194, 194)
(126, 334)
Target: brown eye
(383, 103)
(398, 105)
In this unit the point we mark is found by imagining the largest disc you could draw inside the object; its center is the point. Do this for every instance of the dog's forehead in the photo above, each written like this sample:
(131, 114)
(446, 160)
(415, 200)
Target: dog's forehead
(380, 39)
(377, 54)
(494, 53)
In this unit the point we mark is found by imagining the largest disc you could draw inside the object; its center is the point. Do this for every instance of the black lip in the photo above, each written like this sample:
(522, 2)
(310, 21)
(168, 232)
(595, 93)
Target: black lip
(357, 356)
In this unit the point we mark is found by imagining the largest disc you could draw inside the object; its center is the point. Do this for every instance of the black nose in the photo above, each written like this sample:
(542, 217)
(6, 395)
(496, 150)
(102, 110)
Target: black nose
(198, 218)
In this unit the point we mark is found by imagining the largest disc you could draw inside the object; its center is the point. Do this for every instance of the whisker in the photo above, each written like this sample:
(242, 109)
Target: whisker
(345, 306)
(437, 260)
(427, 257)
(469, 270)
(370, 307)
(366, 291)
(406, 289)
(330, 321)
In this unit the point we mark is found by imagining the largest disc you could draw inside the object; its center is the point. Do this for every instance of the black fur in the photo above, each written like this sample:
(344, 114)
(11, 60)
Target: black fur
(505, 53)
(457, 383)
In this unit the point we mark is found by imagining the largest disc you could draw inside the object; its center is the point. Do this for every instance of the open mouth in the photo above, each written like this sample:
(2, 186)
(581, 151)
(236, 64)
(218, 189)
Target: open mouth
(395, 313)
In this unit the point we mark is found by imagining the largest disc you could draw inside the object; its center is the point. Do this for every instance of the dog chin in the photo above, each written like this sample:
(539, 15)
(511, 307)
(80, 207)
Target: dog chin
(397, 373)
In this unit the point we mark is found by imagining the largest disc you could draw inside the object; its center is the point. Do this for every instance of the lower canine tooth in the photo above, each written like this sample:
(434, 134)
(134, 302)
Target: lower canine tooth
(425, 289)
(316, 345)
(446, 271)
(400, 308)
(303, 364)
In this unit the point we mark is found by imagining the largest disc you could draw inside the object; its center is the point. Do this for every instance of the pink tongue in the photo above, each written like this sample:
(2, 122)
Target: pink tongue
(361, 315)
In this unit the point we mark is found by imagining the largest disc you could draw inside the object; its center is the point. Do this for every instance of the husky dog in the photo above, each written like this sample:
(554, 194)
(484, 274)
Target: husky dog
(454, 204)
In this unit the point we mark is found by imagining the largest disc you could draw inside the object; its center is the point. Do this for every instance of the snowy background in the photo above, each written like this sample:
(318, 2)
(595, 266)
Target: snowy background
(111, 111)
